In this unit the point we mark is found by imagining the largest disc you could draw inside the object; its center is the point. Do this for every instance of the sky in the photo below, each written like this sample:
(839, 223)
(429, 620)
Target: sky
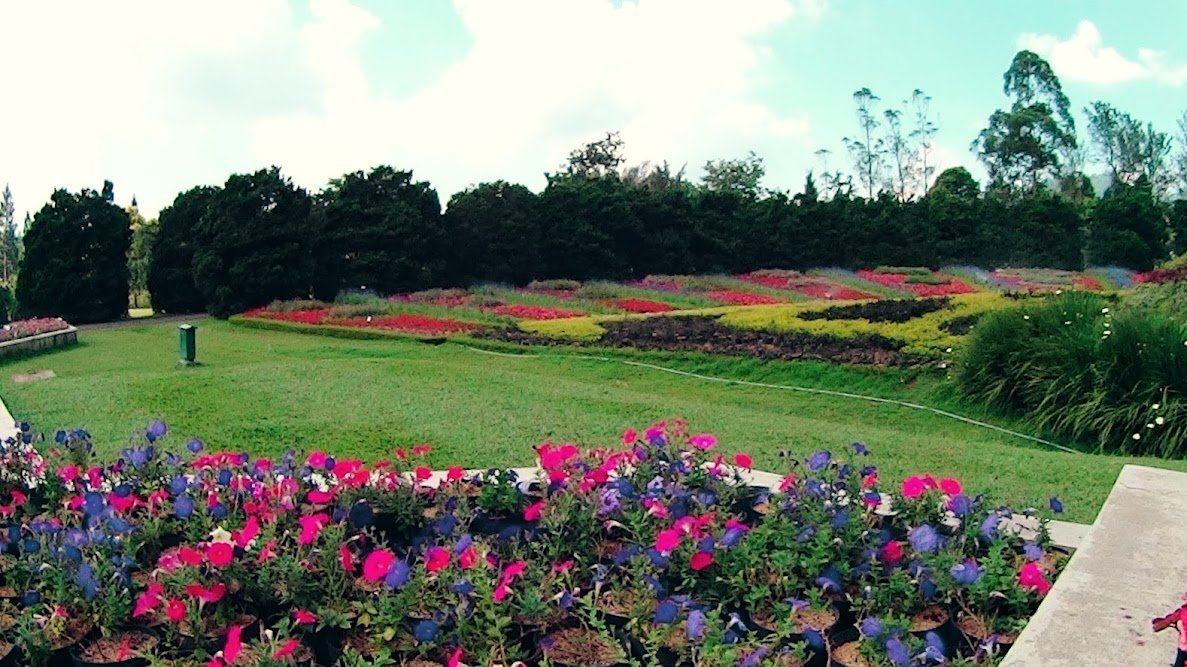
(159, 96)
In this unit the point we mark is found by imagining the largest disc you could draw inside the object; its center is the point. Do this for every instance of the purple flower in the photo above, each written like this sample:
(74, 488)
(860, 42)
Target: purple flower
(872, 628)
(966, 573)
(840, 520)
(666, 612)
(732, 536)
(989, 527)
(960, 505)
(608, 502)
(445, 525)
(819, 460)
(463, 587)
(361, 515)
(86, 580)
(31, 599)
(696, 624)
(814, 638)
(935, 646)
(655, 586)
(330, 463)
(924, 538)
(1033, 552)
(1056, 505)
(830, 580)
(183, 506)
(860, 449)
(194, 445)
(897, 652)
(806, 534)
(398, 575)
(425, 631)
(705, 545)
(565, 600)
(755, 658)
(156, 431)
(815, 488)
(657, 559)
(464, 542)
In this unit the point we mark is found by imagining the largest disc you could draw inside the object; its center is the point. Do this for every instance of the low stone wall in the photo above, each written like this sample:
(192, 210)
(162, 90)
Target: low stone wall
(39, 343)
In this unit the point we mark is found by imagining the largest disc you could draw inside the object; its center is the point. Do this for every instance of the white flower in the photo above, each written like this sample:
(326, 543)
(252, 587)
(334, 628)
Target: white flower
(1137, 436)
(1151, 425)
(1027, 317)
(220, 535)
(1067, 322)
(1159, 420)
(1156, 406)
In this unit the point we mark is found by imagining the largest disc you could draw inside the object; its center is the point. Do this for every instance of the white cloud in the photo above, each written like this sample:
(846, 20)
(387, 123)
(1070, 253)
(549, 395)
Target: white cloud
(160, 96)
(675, 76)
(1084, 57)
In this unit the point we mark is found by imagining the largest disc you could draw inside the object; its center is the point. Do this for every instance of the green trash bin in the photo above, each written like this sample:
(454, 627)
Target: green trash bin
(187, 344)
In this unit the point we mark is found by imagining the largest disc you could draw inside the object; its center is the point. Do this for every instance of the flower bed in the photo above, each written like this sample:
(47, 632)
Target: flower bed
(315, 316)
(813, 286)
(414, 324)
(655, 548)
(1159, 276)
(35, 327)
(736, 298)
(926, 285)
(637, 305)
(526, 312)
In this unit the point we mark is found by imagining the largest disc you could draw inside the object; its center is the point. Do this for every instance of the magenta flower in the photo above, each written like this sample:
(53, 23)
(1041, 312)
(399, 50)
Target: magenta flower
(377, 564)
(703, 441)
(667, 540)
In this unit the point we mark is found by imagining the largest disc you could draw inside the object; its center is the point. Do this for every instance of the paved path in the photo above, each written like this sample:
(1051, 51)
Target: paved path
(1130, 568)
(142, 321)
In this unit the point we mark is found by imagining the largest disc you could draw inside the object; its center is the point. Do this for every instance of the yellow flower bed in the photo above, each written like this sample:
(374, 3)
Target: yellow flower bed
(923, 335)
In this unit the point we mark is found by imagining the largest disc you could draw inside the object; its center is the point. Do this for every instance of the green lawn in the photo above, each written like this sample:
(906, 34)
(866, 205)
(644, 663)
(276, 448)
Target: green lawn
(265, 391)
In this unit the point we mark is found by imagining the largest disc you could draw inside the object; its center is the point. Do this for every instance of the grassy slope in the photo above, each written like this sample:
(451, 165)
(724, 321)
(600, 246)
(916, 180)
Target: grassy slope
(264, 391)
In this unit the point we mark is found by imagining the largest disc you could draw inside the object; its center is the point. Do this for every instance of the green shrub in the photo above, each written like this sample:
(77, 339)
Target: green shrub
(1078, 368)
(296, 305)
(905, 270)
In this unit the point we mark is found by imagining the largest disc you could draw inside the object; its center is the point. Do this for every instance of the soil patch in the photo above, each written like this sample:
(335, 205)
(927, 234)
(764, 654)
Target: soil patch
(580, 646)
(105, 650)
(33, 376)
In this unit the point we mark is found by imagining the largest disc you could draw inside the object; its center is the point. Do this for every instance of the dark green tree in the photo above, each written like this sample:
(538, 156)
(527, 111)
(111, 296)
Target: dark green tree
(1177, 221)
(9, 249)
(144, 234)
(1035, 141)
(1128, 228)
(953, 208)
(587, 229)
(75, 264)
(494, 233)
(253, 244)
(171, 283)
(381, 231)
(596, 159)
(742, 176)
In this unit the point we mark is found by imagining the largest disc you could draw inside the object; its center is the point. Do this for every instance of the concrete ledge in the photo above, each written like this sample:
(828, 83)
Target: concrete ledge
(1128, 570)
(38, 343)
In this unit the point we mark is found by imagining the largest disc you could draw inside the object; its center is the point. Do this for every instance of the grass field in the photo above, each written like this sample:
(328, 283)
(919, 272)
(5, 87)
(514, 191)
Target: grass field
(265, 391)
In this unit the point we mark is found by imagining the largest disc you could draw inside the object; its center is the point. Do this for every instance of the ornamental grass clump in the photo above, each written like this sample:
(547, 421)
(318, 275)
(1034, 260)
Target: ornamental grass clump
(1082, 366)
(654, 550)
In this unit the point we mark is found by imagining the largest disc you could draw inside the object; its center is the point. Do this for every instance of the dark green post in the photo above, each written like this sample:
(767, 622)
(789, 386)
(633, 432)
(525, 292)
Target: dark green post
(187, 344)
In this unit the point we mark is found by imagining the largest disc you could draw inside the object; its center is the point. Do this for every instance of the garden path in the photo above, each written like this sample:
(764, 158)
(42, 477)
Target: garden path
(1129, 569)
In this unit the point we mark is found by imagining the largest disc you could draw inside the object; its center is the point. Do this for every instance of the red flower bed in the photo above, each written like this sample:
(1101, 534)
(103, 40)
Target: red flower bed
(301, 316)
(1087, 283)
(1158, 276)
(899, 281)
(526, 312)
(735, 298)
(638, 305)
(833, 292)
(417, 324)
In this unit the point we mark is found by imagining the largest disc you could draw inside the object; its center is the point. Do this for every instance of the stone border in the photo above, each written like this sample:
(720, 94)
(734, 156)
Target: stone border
(34, 344)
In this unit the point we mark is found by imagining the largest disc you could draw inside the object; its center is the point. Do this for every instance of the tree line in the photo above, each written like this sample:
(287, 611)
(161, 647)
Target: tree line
(259, 237)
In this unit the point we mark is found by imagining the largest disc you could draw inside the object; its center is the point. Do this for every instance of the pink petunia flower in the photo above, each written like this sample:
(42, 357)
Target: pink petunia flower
(377, 564)
(423, 473)
(285, 651)
(467, 559)
(436, 559)
(667, 540)
(317, 459)
(703, 442)
(234, 644)
(454, 474)
(220, 554)
(743, 461)
(629, 437)
(175, 610)
(701, 560)
(346, 558)
(950, 486)
(304, 617)
(532, 513)
(892, 552)
(1031, 577)
(913, 487)
(311, 525)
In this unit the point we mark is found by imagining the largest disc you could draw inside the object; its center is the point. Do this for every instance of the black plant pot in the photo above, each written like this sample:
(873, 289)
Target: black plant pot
(327, 645)
(14, 657)
(947, 632)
